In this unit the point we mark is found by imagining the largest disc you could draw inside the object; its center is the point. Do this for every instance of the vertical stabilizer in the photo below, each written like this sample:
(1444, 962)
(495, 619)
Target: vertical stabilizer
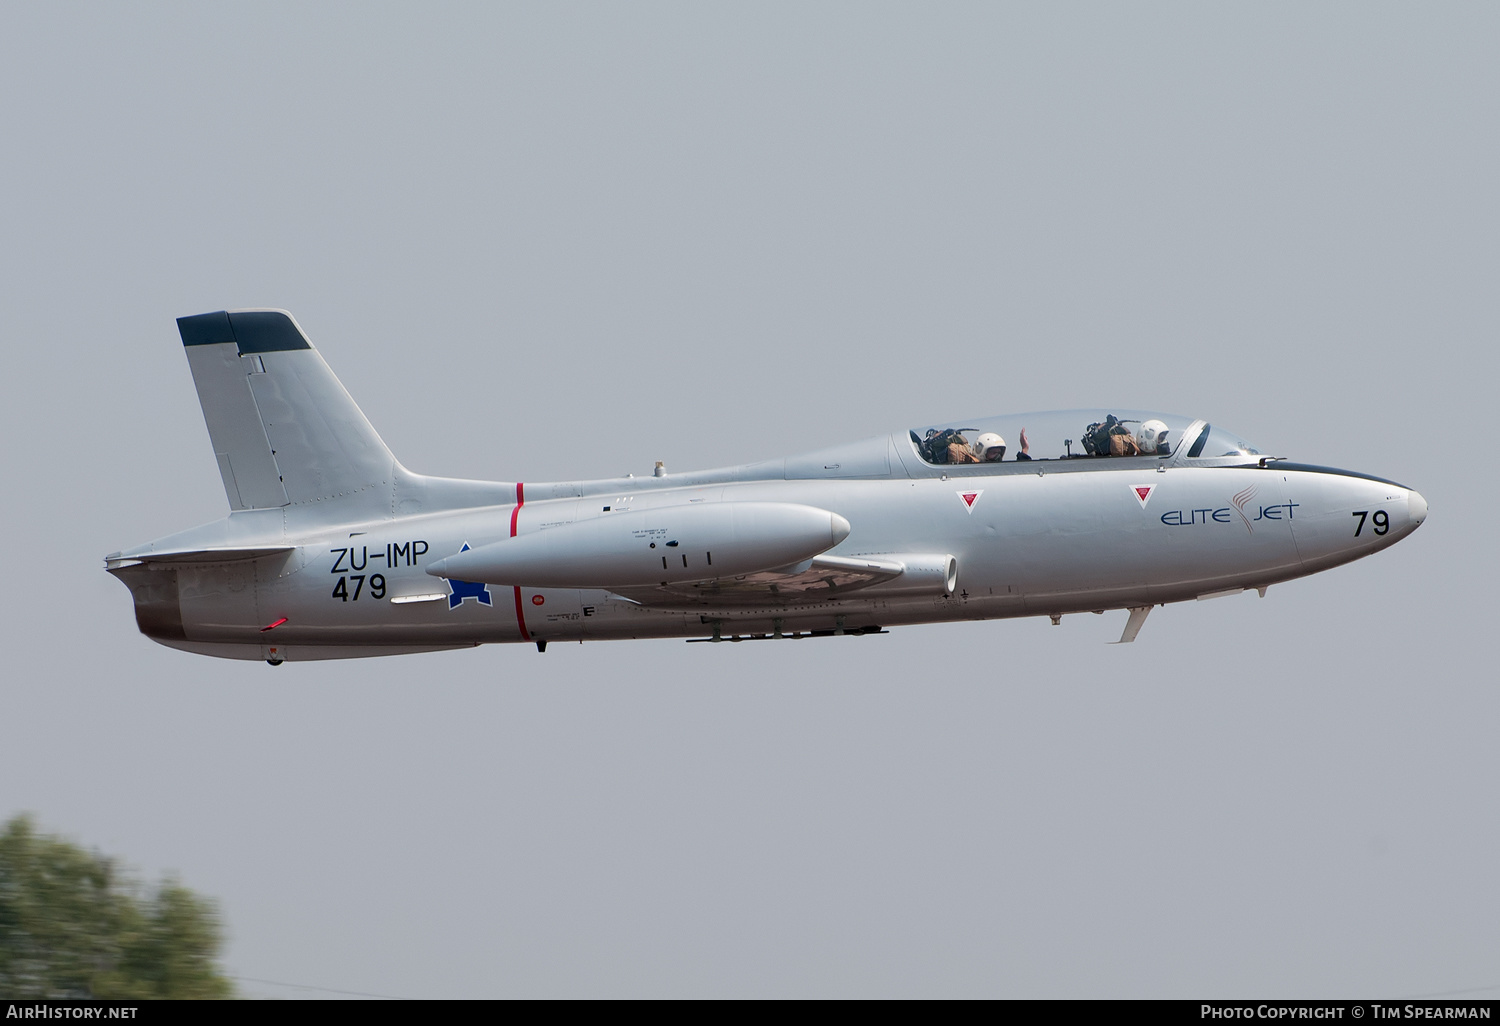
(283, 429)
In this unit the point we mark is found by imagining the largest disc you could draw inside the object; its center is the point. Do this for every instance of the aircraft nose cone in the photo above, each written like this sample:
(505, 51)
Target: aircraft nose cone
(1416, 508)
(841, 527)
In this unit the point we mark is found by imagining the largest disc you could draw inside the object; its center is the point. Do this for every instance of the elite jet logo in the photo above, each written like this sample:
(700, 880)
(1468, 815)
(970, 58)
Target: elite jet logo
(460, 590)
(969, 498)
(1142, 493)
(1239, 499)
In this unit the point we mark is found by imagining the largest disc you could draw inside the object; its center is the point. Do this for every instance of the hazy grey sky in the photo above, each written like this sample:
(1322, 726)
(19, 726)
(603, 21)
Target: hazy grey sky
(563, 241)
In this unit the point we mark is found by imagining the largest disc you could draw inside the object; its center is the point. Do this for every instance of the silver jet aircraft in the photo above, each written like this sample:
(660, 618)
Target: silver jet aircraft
(332, 549)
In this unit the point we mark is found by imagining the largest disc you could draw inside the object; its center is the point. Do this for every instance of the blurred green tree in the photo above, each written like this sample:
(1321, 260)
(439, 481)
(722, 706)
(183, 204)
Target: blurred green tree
(72, 927)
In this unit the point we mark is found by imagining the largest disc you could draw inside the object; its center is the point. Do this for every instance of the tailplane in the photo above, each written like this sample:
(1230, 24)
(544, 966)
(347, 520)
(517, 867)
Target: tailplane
(284, 430)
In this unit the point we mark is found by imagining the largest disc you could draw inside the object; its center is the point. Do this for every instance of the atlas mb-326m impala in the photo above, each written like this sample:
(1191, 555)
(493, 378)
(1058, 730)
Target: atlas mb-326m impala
(332, 549)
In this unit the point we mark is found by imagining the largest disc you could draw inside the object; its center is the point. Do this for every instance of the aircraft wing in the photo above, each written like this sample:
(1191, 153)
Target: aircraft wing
(813, 580)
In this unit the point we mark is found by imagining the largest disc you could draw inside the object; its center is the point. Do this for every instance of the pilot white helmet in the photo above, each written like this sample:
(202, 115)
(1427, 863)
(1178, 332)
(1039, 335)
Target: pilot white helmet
(989, 447)
(1153, 437)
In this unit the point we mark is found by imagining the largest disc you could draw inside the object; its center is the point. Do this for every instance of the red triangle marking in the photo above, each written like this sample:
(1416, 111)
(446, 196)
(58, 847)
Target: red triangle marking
(969, 497)
(1142, 491)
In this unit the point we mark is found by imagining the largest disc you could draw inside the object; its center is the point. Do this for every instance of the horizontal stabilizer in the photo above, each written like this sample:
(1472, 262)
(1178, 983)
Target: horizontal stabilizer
(183, 557)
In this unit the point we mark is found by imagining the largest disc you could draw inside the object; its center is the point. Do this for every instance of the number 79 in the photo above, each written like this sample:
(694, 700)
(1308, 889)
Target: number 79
(1380, 523)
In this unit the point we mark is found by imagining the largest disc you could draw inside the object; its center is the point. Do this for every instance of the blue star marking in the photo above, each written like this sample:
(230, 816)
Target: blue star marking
(460, 590)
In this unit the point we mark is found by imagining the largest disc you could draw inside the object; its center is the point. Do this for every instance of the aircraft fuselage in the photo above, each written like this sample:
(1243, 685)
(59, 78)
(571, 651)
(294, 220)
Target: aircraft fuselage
(1042, 538)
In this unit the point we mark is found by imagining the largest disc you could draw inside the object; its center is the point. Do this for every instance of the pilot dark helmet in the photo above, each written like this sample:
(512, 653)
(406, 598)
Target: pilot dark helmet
(1153, 437)
(989, 447)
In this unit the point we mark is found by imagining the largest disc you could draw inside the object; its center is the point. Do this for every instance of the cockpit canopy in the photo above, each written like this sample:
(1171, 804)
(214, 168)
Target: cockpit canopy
(1077, 434)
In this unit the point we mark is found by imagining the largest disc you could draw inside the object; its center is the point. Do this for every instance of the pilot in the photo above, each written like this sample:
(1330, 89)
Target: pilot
(1152, 440)
(959, 451)
(989, 448)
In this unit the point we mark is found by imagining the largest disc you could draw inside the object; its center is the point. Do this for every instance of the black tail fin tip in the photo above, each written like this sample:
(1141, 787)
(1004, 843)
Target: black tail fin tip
(252, 331)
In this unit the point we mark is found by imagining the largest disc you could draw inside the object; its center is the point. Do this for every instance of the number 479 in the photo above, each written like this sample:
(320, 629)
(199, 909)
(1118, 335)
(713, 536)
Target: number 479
(1379, 523)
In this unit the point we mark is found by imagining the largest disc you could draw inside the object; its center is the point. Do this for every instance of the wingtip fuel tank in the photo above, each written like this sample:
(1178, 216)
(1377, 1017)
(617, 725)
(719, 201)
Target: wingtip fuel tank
(666, 545)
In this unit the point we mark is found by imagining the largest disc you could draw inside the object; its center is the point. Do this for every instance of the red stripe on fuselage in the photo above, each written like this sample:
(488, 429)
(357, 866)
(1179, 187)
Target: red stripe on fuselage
(514, 516)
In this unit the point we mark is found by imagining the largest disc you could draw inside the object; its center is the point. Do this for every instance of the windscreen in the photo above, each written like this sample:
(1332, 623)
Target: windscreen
(1215, 443)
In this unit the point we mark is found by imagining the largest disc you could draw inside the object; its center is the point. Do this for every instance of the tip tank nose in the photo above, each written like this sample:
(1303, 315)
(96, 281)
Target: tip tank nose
(1416, 508)
(841, 526)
